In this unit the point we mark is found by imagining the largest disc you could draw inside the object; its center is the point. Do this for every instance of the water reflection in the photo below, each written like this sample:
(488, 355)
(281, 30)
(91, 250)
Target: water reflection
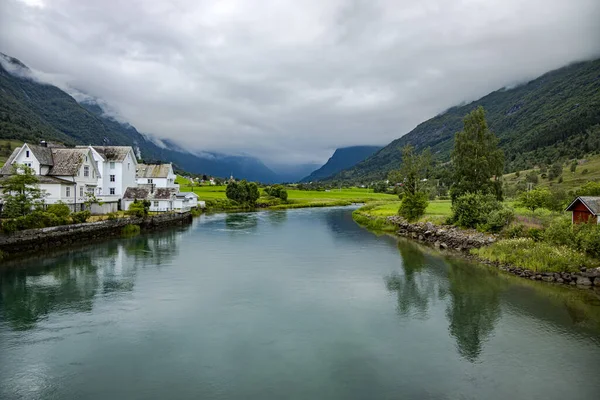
(242, 222)
(475, 307)
(69, 282)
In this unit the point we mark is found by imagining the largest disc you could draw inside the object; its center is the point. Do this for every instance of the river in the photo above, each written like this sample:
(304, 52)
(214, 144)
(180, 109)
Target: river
(297, 304)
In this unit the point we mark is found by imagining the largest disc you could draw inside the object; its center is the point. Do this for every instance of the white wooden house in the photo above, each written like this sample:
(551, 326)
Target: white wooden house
(67, 175)
(157, 175)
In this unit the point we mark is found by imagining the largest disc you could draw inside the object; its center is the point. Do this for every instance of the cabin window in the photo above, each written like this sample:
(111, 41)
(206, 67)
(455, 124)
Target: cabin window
(112, 190)
(86, 171)
(112, 178)
(156, 204)
(112, 165)
(27, 154)
(68, 191)
(86, 158)
(150, 181)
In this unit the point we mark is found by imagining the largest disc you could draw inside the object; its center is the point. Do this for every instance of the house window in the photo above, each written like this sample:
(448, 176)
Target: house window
(112, 190)
(86, 171)
(68, 191)
(27, 154)
(86, 159)
(149, 180)
(112, 178)
(112, 165)
(80, 191)
(128, 166)
(156, 204)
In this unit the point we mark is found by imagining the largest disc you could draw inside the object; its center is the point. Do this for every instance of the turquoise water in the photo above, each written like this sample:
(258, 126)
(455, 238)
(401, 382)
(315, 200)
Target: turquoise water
(298, 304)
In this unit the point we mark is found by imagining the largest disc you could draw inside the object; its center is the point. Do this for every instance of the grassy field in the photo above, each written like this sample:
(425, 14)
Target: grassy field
(571, 180)
(298, 198)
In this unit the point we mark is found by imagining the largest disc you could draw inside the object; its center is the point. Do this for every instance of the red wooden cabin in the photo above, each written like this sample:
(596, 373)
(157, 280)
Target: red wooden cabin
(585, 209)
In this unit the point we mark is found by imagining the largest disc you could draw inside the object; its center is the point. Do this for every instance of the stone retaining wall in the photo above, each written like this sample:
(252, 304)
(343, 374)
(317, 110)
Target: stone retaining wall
(442, 236)
(32, 240)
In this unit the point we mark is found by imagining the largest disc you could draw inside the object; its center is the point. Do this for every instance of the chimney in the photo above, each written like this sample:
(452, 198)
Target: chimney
(43, 143)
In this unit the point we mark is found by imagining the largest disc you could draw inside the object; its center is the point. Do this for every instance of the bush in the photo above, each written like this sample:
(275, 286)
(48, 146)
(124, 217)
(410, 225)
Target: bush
(472, 209)
(589, 189)
(59, 209)
(584, 172)
(35, 220)
(413, 206)
(112, 216)
(587, 238)
(130, 230)
(81, 216)
(560, 232)
(277, 191)
(9, 226)
(534, 199)
(139, 208)
(497, 220)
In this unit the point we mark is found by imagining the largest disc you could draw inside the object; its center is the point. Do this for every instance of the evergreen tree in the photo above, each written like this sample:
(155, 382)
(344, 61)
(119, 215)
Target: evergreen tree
(478, 162)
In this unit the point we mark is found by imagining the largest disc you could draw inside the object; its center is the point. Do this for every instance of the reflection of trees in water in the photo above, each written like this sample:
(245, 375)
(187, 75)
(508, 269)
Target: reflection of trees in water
(277, 217)
(474, 308)
(474, 295)
(70, 285)
(70, 282)
(237, 221)
(414, 289)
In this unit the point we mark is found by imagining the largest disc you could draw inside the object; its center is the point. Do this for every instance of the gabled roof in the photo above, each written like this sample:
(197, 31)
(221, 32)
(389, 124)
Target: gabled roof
(145, 193)
(187, 194)
(592, 203)
(153, 170)
(67, 162)
(112, 153)
(43, 154)
(44, 179)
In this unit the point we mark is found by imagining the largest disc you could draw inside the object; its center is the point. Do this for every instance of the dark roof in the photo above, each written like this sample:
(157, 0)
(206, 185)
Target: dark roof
(67, 161)
(145, 193)
(112, 153)
(591, 202)
(153, 170)
(43, 154)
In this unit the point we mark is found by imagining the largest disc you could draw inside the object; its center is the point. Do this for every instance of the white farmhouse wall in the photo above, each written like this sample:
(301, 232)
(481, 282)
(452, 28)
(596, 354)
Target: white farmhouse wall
(30, 161)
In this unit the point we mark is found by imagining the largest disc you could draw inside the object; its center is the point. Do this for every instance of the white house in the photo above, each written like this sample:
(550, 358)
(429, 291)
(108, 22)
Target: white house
(157, 175)
(161, 199)
(184, 201)
(68, 175)
(117, 166)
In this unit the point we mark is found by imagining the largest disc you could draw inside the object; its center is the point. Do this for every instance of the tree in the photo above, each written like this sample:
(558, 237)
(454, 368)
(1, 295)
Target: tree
(534, 199)
(21, 192)
(412, 175)
(478, 162)
(574, 166)
(278, 191)
(244, 193)
(413, 171)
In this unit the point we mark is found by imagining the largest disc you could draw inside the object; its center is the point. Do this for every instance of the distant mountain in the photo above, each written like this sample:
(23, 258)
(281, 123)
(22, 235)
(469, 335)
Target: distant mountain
(31, 110)
(341, 159)
(554, 116)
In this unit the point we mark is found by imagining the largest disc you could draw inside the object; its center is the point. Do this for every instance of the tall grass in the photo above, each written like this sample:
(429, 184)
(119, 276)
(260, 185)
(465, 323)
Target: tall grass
(535, 256)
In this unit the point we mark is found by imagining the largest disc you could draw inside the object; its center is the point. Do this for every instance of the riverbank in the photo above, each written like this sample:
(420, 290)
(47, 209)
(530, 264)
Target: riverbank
(469, 243)
(36, 240)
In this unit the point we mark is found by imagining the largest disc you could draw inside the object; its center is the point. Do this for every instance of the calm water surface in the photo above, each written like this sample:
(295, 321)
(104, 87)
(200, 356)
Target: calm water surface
(299, 304)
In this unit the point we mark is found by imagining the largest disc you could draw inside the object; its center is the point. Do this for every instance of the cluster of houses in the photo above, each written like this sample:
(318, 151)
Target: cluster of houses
(105, 178)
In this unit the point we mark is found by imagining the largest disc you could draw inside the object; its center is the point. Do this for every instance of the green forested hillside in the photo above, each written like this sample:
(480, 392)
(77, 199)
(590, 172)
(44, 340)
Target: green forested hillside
(554, 116)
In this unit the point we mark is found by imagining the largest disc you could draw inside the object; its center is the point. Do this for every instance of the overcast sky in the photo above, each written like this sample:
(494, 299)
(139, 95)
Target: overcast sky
(291, 80)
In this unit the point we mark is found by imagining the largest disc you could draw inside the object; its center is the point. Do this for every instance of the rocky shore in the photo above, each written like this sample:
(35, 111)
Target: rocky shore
(35, 240)
(449, 237)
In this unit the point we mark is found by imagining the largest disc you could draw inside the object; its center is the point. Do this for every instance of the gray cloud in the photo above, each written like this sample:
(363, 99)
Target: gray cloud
(289, 81)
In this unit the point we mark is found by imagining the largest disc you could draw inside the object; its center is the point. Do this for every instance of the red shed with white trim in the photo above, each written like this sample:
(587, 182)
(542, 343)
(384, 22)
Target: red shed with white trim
(585, 209)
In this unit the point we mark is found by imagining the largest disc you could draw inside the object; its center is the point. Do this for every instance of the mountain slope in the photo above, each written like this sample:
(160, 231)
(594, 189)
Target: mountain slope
(341, 159)
(551, 117)
(31, 110)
